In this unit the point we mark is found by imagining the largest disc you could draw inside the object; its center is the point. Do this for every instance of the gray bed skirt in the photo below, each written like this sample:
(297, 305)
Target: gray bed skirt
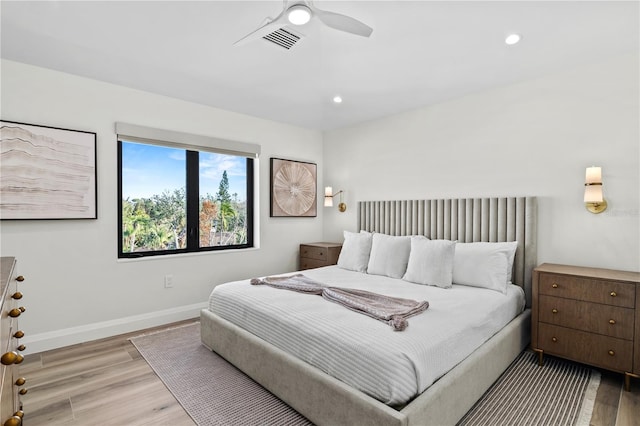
(327, 401)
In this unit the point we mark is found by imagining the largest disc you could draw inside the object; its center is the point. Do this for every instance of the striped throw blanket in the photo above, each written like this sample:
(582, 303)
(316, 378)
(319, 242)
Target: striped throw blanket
(392, 310)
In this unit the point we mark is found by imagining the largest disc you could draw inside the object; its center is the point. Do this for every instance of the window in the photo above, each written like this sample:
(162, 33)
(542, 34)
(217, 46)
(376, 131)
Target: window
(176, 199)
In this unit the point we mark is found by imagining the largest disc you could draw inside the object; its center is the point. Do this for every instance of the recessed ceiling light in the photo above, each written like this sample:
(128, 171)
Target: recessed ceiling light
(337, 99)
(512, 39)
(299, 14)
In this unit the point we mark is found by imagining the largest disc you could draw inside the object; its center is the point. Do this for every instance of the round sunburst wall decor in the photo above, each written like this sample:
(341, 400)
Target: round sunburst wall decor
(293, 188)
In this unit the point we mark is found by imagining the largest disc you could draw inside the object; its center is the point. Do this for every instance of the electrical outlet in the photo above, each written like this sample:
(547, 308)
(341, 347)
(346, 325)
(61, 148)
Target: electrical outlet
(168, 281)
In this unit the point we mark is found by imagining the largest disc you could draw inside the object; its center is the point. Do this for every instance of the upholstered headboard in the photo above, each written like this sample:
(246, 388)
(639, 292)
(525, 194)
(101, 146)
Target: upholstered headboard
(465, 220)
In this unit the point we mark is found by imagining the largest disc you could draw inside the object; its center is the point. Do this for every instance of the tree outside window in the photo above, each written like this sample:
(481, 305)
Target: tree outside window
(169, 204)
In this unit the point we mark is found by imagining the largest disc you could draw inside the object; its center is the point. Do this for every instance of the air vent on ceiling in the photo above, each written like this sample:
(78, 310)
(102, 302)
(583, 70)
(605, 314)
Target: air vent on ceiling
(283, 38)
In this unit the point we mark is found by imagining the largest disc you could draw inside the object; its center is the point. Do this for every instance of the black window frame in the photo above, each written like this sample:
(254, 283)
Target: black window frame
(193, 206)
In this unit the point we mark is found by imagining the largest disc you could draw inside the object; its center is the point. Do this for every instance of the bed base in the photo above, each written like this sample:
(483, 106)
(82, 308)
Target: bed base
(325, 400)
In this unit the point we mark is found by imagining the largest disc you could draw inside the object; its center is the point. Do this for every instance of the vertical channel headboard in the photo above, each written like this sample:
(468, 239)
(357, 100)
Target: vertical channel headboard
(465, 220)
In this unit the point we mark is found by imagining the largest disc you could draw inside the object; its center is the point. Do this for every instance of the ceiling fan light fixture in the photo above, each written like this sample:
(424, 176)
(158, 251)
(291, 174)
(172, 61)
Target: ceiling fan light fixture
(299, 14)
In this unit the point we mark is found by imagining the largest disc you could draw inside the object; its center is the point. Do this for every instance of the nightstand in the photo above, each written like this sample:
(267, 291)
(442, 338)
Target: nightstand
(589, 315)
(316, 255)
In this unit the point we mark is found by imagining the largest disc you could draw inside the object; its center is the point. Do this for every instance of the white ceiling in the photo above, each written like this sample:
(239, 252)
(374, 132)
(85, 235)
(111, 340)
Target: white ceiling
(420, 52)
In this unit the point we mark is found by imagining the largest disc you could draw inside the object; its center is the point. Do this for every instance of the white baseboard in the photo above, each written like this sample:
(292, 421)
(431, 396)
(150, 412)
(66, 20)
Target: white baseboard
(41, 342)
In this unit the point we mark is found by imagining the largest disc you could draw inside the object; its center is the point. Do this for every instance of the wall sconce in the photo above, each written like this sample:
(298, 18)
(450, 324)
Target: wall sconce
(328, 198)
(593, 199)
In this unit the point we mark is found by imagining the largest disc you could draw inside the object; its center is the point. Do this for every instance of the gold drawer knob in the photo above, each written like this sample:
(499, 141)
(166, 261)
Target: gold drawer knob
(18, 334)
(19, 413)
(21, 381)
(554, 285)
(9, 358)
(555, 311)
(19, 359)
(554, 339)
(613, 294)
(13, 421)
(612, 321)
(20, 278)
(15, 312)
(612, 353)
(22, 348)
(23, 391)
(17, 295)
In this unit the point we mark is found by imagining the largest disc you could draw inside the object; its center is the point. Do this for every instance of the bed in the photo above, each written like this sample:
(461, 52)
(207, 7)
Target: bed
(438, 397)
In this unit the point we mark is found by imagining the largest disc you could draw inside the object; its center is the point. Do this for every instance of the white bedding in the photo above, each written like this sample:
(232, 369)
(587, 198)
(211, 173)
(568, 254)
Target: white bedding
(367, 354)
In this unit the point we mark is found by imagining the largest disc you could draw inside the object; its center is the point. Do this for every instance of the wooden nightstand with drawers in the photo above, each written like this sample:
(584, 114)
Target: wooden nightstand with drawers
(588, 315)
(316, 255)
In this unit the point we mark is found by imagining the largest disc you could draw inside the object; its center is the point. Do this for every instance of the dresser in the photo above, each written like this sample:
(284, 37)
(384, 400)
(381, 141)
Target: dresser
(12, 386)
(589, 315)
(316, 255)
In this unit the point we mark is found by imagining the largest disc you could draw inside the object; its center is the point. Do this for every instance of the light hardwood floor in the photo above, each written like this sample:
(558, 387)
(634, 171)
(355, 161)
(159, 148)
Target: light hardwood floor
(107, 382)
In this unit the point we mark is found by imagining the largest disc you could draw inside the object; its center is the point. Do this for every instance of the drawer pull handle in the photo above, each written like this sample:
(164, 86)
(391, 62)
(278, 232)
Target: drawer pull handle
(18, 334)
(23, 391)
(321, 254)
(612, 321)
(613, 294)
(13, 421)
(554, 339)
(554, 311)
(612, 353)
(554, 285)
(19, 278)
(21, 381)
(19, 359)
(9, 358)
(21, 348)
(17, 295)
(15, 312)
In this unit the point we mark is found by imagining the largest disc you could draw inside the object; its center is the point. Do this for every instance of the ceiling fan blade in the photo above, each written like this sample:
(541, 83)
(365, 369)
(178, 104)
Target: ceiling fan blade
(263, 30)
(342, 22)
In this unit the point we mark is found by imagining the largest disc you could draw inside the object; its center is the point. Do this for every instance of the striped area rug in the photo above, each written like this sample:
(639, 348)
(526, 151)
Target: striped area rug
(560, 393)
(213, 392)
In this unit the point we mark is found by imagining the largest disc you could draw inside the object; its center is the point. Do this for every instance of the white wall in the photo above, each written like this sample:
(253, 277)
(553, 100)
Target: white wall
(76, 289)
(532, 138)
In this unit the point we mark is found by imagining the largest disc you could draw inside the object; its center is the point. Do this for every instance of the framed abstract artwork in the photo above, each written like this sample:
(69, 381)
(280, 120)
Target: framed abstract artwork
(293, 188)
(47, 172)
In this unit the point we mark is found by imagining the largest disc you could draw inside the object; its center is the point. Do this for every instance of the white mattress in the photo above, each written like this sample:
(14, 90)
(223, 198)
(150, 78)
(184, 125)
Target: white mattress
(367, 354)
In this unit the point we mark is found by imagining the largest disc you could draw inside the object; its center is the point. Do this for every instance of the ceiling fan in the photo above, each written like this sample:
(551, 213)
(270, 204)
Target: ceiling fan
(299, 12)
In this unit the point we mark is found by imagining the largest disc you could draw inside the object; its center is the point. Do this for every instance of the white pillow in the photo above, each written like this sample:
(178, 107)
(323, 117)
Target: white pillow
(431, 262)
(355, 251)
(389, 255)
(483, 264)
(511, 248)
